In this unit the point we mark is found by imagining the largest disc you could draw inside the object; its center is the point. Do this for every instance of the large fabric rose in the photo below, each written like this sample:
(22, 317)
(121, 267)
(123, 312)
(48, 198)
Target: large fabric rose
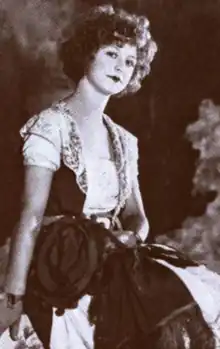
(68, 253)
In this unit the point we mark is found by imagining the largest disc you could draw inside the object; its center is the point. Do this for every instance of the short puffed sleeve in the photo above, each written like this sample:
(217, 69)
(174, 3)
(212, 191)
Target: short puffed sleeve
(42, 140)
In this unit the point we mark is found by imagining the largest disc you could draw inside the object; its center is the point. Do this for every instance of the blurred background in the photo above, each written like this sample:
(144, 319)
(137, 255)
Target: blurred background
(179, 183)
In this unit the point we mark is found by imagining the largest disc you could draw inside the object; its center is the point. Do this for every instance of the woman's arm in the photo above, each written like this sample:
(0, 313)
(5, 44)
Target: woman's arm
(133, 216)
(36, 191)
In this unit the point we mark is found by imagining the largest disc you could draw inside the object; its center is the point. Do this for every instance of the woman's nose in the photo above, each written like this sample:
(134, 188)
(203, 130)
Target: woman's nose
(119, 65)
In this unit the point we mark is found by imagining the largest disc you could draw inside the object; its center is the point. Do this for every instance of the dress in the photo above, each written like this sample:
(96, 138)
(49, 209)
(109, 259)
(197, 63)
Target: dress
(106, 187)
(73, 329)
(43, 145)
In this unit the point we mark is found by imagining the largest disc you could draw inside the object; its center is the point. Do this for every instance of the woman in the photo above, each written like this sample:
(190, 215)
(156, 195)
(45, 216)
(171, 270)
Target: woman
(77, 259)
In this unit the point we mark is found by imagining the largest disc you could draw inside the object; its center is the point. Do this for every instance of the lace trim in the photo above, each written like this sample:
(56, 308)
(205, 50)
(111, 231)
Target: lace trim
(38, 124)
(72, 155)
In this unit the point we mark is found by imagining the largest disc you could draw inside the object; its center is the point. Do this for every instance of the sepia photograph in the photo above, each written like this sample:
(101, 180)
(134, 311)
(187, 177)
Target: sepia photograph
(110, 174)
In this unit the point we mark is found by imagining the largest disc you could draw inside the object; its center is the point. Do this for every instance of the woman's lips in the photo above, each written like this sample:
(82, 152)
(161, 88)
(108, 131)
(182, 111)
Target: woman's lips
(114, 78)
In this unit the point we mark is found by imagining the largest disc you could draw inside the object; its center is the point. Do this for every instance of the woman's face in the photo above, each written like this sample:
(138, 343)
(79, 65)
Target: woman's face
(112, 68)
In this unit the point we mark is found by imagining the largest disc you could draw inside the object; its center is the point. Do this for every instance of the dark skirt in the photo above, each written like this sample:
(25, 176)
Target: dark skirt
(136, 301)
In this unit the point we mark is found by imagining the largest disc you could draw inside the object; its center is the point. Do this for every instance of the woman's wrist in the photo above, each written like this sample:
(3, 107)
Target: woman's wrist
(14, 283)
(13, 299)
(139, 227)
(139, 239)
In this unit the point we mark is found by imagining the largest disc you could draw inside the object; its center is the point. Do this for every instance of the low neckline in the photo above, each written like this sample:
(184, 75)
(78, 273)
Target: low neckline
(81, 140)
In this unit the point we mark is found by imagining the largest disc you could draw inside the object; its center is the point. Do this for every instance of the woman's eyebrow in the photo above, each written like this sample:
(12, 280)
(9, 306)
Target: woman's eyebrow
(118, 47)
(131, 56)
(134, 58)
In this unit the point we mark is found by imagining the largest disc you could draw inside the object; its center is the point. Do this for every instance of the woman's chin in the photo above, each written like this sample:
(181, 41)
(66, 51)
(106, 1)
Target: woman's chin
(113, 91)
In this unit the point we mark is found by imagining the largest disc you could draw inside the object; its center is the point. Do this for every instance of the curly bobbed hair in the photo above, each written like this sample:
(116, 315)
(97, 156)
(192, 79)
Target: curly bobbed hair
(101, 26)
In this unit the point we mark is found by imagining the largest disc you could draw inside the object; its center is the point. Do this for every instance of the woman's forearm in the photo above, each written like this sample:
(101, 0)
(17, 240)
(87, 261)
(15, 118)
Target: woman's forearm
(37, 186)
(138, 224)
(20, 256)
(142, 229)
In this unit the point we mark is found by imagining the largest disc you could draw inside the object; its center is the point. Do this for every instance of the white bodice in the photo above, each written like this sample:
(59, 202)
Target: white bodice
(53, 136)
(103, 186)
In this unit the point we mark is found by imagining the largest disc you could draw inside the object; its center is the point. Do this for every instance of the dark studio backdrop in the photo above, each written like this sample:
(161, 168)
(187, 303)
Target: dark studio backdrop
(185, 71)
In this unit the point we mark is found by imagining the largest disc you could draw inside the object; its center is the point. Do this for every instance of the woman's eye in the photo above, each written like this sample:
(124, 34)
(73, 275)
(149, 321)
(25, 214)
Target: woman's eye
(130, 63)
(112, 54)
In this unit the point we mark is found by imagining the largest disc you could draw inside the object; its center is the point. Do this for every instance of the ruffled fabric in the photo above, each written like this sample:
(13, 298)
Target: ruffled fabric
(68, 265)
(68, 253)
(72, 330)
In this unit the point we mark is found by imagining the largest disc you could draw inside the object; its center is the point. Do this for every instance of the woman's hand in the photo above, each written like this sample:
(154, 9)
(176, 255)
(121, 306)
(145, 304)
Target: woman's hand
(14, 328)
(127, 237)
(14, 310)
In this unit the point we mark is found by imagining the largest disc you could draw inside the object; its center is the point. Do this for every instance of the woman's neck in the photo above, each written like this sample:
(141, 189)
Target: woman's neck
(87, 105)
